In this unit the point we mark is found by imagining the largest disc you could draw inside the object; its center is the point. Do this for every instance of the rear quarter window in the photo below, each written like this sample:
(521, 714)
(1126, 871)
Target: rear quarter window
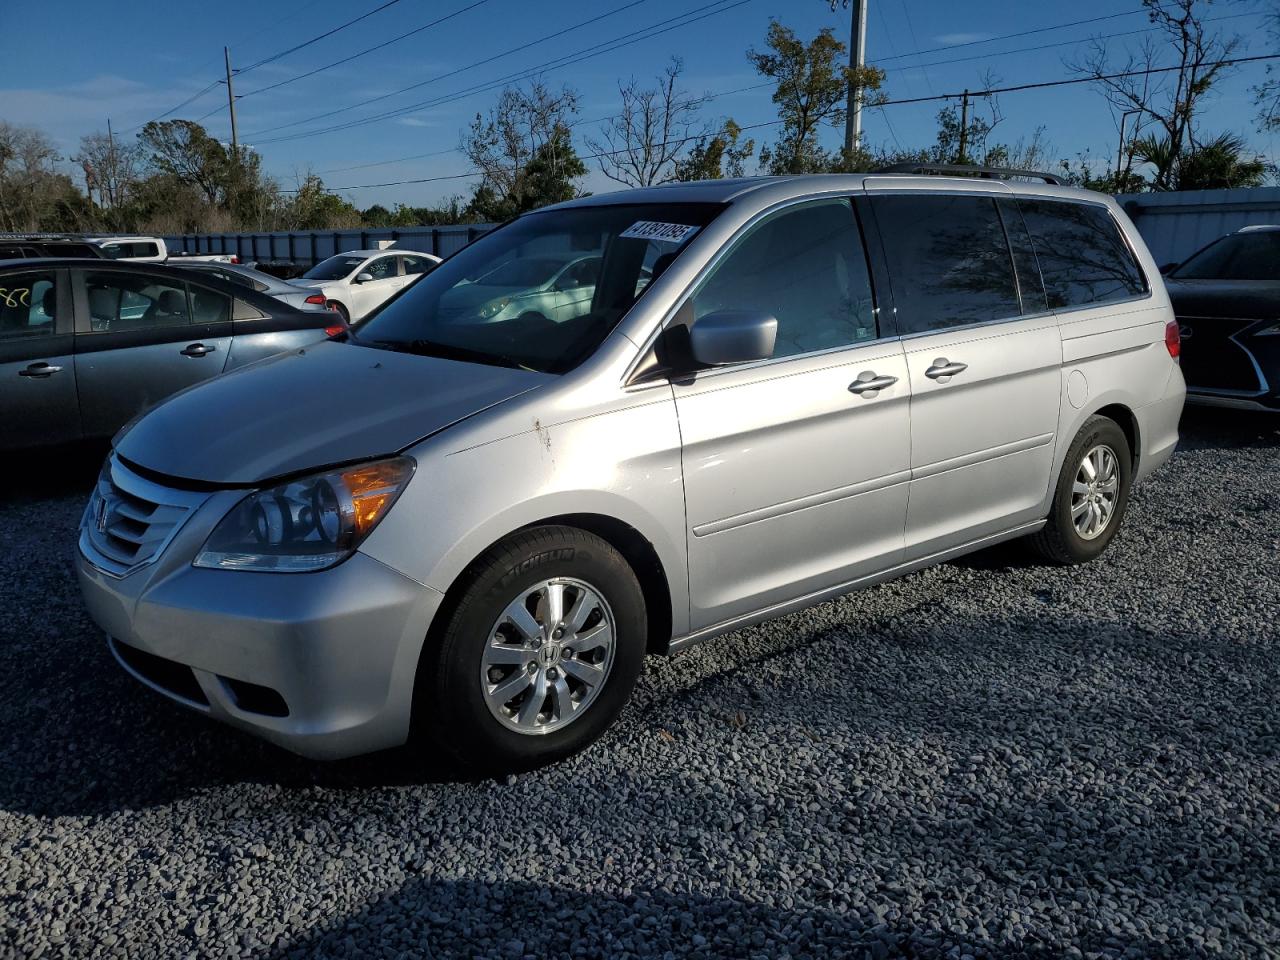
(1083, 255)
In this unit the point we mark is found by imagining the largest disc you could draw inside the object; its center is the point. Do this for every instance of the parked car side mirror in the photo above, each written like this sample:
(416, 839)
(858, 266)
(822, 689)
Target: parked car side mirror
(733, 336)
(364, 277)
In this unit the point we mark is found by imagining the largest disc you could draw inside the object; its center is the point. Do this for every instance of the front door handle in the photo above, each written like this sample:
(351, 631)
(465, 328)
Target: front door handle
(198, 350)
(943, 371)
(40, 370)
(868, 385)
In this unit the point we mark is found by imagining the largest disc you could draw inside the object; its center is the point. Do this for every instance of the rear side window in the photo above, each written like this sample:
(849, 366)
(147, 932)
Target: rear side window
(27, 304)
(806, 266)
(949, 261)
(209, 306)
(1083, 256)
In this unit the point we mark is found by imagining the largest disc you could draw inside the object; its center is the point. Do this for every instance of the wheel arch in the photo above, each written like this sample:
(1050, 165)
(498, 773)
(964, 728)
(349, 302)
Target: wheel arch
(1128, 422)
(636, 549)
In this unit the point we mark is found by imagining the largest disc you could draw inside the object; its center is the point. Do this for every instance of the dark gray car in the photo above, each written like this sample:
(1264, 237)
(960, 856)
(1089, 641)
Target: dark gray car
(85, 345)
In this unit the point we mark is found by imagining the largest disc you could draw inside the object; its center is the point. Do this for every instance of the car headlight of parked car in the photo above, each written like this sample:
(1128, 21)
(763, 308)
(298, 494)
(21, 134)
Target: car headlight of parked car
(494, 307)
(306, 524)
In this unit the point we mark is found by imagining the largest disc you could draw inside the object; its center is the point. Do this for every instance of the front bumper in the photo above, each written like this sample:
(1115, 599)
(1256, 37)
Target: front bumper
(337, 649)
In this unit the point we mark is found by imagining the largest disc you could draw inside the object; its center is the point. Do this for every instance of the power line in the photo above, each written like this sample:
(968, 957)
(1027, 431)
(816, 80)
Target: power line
(1017, 88)
(607, 46)
(265, 60)
(451, 73)
(355, 56)
(306, 43)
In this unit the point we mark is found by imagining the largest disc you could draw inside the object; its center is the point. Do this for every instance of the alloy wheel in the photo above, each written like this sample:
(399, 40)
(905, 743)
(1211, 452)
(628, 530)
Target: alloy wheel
(548, 656)
(1095, 492)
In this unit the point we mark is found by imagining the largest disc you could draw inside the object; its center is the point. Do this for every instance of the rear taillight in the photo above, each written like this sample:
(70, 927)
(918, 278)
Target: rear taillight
(1173, 339)
(335, 329)
(316, 298)
(234, 258)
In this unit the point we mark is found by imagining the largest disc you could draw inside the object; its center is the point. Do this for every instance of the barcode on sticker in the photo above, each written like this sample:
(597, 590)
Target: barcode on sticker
(654, 230)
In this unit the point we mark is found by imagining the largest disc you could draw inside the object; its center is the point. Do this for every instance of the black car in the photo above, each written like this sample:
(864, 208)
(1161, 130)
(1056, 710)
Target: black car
(16, 247)
(85, 345)
(1227, 301)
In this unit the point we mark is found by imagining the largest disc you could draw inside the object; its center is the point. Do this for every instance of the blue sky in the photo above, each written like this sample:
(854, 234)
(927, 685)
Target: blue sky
(69, 65)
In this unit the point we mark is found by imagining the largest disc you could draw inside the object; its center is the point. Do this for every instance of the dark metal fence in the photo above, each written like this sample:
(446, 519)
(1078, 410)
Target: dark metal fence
(308, 247)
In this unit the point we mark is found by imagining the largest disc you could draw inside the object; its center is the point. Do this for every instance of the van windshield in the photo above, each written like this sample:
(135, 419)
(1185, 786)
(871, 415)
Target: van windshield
(541, 292)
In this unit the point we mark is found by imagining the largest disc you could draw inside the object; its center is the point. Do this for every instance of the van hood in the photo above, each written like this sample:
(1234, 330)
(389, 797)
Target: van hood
(327, 403)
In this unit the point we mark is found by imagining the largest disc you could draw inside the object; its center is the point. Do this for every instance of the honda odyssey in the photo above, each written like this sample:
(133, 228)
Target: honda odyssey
(779, 390)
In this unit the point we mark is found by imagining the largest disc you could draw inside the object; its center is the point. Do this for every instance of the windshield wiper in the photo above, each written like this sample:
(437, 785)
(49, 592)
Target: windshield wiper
(449, 351)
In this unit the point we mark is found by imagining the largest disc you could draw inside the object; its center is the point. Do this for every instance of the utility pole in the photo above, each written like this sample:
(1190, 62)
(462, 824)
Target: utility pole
(1121, 169)
(231, 105)
(857, 60)
(962, 154)
(111, 165)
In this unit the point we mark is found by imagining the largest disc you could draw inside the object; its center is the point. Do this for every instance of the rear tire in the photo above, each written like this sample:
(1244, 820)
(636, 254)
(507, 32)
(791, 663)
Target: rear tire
(539, 655)
(1091, 498)
(342, 311)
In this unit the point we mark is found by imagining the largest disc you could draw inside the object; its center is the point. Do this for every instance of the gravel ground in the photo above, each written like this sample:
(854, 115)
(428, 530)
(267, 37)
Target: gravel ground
(987, 759)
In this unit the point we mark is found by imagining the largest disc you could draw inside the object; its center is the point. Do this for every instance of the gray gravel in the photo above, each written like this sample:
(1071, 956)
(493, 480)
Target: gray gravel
(987, 759)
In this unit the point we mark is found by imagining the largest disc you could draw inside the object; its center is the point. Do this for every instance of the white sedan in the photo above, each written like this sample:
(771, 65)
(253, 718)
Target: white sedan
(358, 281)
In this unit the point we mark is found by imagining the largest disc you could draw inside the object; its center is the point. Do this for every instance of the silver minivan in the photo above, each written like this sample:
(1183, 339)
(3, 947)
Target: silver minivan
(465, 528)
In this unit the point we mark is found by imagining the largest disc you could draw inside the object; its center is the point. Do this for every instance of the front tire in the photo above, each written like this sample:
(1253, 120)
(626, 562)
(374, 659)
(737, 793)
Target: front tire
(539, 656)
(1092, 495)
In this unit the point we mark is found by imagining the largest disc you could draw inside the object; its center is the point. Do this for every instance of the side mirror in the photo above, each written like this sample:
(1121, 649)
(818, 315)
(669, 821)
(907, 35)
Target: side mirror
(363, 277)
(733, 336)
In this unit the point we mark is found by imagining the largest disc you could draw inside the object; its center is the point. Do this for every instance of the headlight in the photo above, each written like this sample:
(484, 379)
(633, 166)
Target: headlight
(494, 308)
(306, 524)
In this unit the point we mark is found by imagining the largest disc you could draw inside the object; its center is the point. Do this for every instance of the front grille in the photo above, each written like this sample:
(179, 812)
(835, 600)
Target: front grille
(1212, 357)
(130, 520)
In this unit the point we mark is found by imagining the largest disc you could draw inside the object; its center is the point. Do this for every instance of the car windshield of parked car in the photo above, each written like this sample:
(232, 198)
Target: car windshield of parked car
(1241, 256)
(522, 273)
(491, 303)
(335, 268)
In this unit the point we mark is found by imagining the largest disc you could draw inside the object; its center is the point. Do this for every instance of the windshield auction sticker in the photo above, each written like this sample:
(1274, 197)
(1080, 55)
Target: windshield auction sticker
(663, 232)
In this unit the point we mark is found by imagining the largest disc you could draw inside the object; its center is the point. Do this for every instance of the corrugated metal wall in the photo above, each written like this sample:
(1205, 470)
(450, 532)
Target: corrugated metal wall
(1176, 225)
(309, 247)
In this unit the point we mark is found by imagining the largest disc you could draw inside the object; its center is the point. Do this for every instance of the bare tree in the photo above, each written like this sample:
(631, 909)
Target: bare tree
(34, 195)
(641, 145)
(1170, 100)
(111, 168)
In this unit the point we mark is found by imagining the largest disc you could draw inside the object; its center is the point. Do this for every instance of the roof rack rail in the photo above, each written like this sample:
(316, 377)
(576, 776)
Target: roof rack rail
(965, 170)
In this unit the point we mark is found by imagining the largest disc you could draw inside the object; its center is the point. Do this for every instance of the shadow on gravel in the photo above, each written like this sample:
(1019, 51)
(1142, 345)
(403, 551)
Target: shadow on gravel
(50, 472)
(447, 918)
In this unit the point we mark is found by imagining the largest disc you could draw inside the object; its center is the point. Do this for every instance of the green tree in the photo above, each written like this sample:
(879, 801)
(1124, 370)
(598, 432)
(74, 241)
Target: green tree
(185, 151)
(1220, 163)
(34, 195)
(722, 154)
(524, 152)
(810, 93)
(315, 208)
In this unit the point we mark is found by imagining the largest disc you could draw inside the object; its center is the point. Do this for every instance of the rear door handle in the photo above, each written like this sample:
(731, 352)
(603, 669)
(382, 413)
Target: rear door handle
(40, 370)
(868, 384)
(943, 371)
(198, 350)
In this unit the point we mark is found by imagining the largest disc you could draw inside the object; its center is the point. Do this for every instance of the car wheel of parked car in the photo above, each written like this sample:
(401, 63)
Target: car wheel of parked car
(342, 311)
(1092, 495)
(540, 654)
